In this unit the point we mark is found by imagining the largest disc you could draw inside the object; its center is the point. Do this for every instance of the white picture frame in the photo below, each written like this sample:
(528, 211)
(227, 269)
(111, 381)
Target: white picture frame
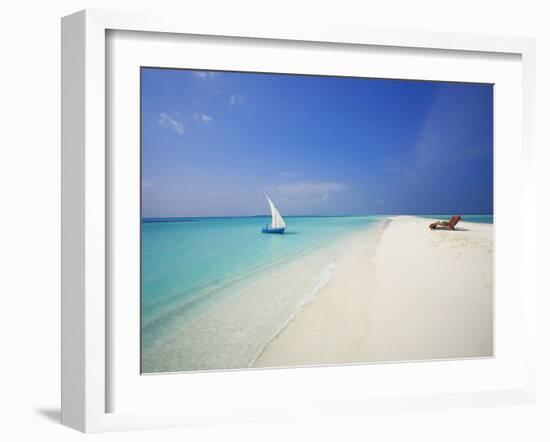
(86, 208)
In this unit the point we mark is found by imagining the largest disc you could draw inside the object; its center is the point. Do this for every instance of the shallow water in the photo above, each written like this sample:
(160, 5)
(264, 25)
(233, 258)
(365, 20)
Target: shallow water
(215, 291)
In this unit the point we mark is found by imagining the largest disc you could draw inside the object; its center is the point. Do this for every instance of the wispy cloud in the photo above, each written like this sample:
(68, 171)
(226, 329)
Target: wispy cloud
(447, 133)
(289, 174)
(165, 120)
(236, 99)
(205, 74)
(321, 190)
(145, 184)
(204, 118)
(322, 198)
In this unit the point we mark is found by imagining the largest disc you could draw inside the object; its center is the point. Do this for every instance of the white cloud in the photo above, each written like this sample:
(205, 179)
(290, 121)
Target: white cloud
(236, 99)
(145, 184)
(310, 190)
(204, 118)
(165, 120)
(205, 74)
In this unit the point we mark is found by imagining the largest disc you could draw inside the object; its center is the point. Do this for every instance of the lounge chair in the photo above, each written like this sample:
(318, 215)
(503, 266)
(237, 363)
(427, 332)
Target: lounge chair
(446, 225)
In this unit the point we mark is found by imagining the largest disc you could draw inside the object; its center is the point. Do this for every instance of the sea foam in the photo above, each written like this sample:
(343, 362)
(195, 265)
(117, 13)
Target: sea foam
(311, 293)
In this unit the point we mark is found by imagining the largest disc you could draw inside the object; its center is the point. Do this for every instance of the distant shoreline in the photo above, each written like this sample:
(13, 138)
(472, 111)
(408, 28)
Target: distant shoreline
(198, 218)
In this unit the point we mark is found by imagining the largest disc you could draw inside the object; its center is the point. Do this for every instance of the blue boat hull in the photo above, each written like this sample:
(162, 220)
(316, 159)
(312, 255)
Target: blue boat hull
(268, 230)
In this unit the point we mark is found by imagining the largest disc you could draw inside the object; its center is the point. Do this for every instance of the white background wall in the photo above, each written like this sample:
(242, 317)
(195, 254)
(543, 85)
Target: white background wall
(30, 220)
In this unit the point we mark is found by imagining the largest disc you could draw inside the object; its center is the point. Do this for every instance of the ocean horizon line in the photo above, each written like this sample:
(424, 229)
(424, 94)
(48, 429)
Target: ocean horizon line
(191, 218)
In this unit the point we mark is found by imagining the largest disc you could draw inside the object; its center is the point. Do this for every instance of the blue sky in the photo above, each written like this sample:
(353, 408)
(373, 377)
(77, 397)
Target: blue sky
(213, 142)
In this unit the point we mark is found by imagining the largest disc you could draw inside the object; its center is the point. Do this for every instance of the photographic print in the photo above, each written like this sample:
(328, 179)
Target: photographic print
(300, 220)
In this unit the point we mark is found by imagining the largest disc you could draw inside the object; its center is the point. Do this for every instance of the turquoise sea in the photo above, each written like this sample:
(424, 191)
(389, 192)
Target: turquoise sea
(216, 291)
(191, 267)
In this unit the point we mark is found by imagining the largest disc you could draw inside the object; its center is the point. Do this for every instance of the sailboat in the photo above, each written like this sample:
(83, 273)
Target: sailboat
(277, 222)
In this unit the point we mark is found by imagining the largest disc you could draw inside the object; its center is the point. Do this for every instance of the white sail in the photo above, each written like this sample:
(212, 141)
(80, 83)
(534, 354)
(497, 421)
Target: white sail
(277, 221)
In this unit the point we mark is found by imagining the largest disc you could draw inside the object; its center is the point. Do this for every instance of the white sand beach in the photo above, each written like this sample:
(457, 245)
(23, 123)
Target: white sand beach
(419, 294)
